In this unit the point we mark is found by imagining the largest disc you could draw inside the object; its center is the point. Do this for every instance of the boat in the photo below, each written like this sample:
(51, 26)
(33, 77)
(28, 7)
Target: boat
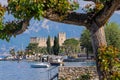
(2, 58)
(57, 62)
(40, 65)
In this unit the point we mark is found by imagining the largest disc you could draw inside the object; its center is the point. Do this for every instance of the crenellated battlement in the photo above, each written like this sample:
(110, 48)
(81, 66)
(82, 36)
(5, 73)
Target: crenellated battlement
(42, 40)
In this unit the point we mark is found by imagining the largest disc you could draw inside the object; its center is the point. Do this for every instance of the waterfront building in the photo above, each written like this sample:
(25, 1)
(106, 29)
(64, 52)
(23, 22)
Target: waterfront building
(42, 40)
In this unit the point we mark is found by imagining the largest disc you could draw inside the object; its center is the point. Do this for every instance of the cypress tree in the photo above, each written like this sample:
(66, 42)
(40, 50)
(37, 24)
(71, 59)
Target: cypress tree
(48, 45)
(56, 46)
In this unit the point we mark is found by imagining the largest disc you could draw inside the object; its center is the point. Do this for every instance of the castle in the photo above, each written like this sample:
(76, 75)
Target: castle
(42, 40)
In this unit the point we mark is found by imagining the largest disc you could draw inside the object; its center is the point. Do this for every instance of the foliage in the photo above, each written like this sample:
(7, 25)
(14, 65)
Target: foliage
(20, 53)
(62, 50)
(84, 77)
(32, 48)
(9, 28)
(71, 46)
(12, 52)
(56, 46)
(48, 45)
(109, 62)
(25, 9)
(86, 41)
(42, 50)
(2, 12)
(112, 32)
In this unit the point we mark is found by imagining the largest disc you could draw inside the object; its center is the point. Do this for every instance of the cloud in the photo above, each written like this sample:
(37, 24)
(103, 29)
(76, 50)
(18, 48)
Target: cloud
(45, 25)
(36, 26)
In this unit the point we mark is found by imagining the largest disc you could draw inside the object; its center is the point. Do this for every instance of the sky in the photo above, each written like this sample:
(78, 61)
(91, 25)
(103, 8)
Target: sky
(44, 28)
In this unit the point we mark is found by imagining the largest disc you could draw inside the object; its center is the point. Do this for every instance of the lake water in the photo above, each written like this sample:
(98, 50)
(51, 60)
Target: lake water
(12, 70)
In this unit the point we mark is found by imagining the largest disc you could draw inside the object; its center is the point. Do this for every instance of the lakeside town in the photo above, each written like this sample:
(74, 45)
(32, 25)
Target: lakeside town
(40, 46)
(94, 55)
(66, 54)
(47, 53)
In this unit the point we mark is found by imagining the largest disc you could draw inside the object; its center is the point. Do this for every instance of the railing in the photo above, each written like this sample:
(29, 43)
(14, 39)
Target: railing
(52, 76)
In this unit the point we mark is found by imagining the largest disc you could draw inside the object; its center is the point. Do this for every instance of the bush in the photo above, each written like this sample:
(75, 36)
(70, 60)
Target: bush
(84, 77)
(109, 62)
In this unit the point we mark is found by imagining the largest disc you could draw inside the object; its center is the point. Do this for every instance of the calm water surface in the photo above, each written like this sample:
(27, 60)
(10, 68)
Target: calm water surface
(12, 70)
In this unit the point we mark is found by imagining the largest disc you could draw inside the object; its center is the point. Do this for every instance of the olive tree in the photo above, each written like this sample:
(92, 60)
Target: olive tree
(71, 46)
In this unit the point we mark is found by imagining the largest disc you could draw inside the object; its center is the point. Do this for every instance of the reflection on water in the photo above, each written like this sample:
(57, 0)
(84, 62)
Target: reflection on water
(12, 70)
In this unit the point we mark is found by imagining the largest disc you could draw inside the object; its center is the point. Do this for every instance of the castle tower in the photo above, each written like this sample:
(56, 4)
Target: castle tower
(42, 42)
(61, 37)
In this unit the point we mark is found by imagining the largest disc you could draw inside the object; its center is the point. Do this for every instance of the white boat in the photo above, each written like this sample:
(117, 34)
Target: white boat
(40, 65)
(57, 61)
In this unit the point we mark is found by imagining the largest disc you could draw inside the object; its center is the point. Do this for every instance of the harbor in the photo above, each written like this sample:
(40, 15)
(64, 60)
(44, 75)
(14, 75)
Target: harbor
(15, 70)
(22, 70)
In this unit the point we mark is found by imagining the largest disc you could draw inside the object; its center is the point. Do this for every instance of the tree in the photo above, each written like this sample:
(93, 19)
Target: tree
(32, 48)
(86, 41)
(71, 46)
(60, 11)
(20, 53)
(12, 52)
(48, 45)
(42, 50)
(112, 31)
(56, 46)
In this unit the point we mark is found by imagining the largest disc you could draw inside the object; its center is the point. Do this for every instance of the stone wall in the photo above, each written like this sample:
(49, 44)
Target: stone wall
(71, 73)
(42, 40)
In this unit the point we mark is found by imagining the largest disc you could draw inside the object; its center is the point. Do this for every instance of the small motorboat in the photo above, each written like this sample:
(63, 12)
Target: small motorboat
(40, 65)
(57, 62)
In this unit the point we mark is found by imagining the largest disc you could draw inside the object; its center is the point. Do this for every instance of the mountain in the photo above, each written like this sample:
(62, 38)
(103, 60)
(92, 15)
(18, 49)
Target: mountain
(43, 29)
(40, 29)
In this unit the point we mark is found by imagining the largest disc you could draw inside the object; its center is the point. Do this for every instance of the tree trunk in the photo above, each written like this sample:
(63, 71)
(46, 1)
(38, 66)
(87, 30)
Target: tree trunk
(87, 54)
(98, 40)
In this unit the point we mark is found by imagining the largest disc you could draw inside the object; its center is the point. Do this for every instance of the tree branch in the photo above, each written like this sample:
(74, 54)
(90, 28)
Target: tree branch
(71, 18)
(25, 24)
(102, 17)
(79, 19)
(118, 7)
